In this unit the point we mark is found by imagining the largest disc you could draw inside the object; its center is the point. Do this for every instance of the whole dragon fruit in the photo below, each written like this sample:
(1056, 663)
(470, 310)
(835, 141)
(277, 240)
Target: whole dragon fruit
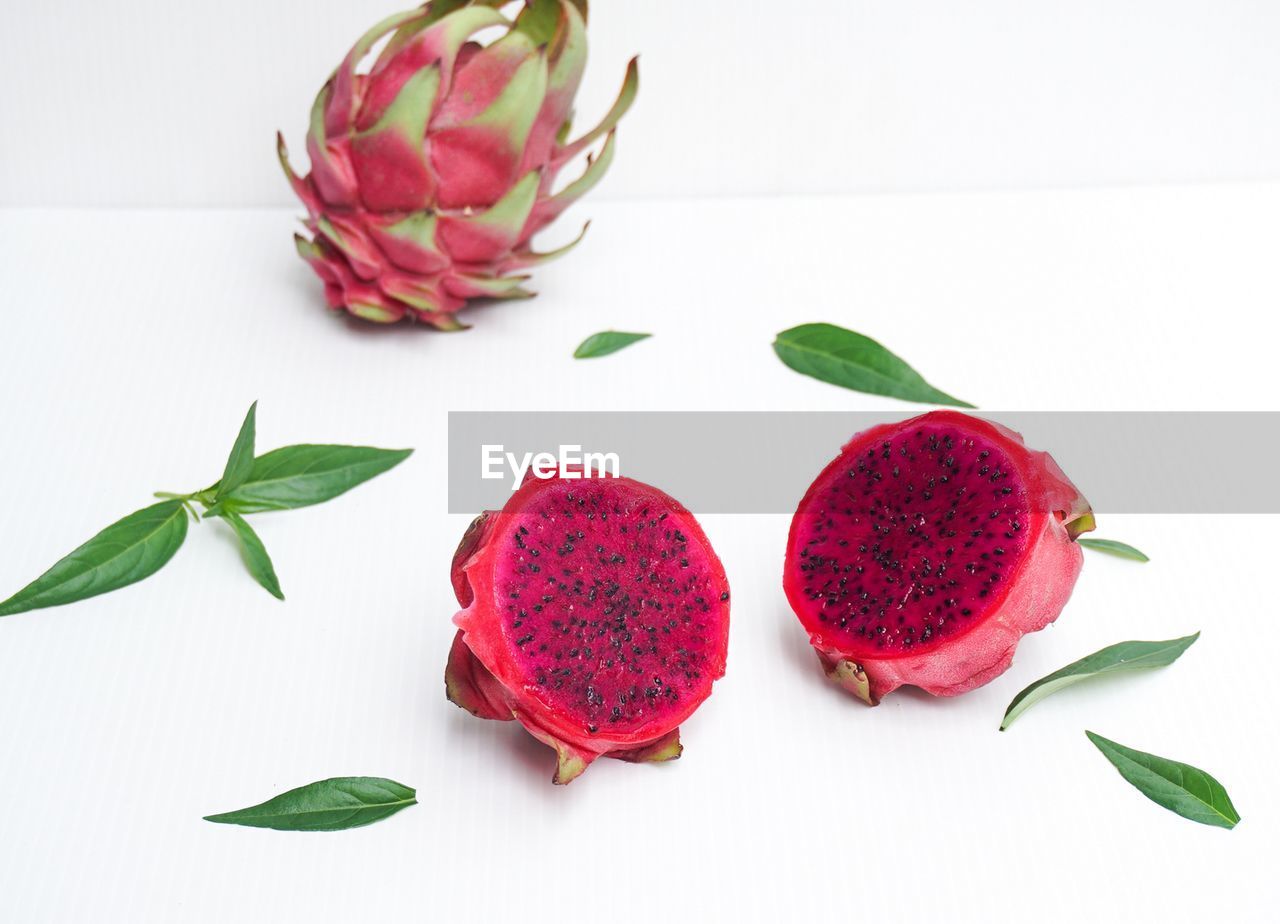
(595, 613)
(926, 549)
(431, 172)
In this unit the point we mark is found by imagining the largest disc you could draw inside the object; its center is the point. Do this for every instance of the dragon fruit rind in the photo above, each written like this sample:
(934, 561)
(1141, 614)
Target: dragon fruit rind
(926, 549)
(433, 169)
(595, 613)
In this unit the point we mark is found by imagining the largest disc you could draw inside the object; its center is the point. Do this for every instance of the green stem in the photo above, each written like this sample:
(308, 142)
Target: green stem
(204, 497)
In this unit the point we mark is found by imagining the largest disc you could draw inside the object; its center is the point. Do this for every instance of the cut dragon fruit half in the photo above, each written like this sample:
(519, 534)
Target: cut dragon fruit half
(595, 613)
(926, 549)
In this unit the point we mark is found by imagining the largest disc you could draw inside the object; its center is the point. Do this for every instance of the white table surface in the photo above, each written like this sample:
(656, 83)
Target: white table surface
(132, 342)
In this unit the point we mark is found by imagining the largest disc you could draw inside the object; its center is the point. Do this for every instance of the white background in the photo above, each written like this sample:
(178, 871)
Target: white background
(127, 717)
(176, 102)
(133, 342)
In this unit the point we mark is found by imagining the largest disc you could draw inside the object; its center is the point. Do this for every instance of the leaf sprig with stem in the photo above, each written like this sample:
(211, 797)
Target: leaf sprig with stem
(142, 543)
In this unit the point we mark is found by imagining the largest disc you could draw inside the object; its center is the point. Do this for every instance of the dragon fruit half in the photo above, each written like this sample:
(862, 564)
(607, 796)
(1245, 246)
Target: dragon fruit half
(431, 172)
(595, 613)
(927, 549)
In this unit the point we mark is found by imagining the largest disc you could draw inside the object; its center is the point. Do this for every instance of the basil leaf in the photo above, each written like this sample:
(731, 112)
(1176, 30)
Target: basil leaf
(1111, 547)
(298, 476)
(843, 357)
(1180, 788)
(240, 462)
(1123, 656)
(123, 553)
(606, 342)
(254, 553)
(329, 805)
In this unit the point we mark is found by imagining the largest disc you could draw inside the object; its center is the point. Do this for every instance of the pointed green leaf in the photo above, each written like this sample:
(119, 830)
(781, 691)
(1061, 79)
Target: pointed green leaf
(606, 342)
(298, 476)
(254, 553)
(240, 462)
(1123, 656)
(122, 554)
(1112, 547)
(329, 805)
(843, 357)
(1179, 787)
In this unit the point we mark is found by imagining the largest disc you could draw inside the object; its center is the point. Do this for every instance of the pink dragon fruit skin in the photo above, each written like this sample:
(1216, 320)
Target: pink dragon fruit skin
(431, 172)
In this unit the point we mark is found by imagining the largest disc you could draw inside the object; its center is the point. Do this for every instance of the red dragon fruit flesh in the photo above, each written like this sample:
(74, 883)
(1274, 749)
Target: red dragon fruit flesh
(595, 613)
(926, 549)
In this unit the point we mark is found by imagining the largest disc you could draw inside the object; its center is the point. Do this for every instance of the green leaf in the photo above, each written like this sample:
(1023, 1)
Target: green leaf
(843, 357)
(1123, 656)
(1111, 547)
(606, 342)
(123, 553)
(298, 476)
(1180, 788)
(240, 462)
(254, 553)
(329, 805)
